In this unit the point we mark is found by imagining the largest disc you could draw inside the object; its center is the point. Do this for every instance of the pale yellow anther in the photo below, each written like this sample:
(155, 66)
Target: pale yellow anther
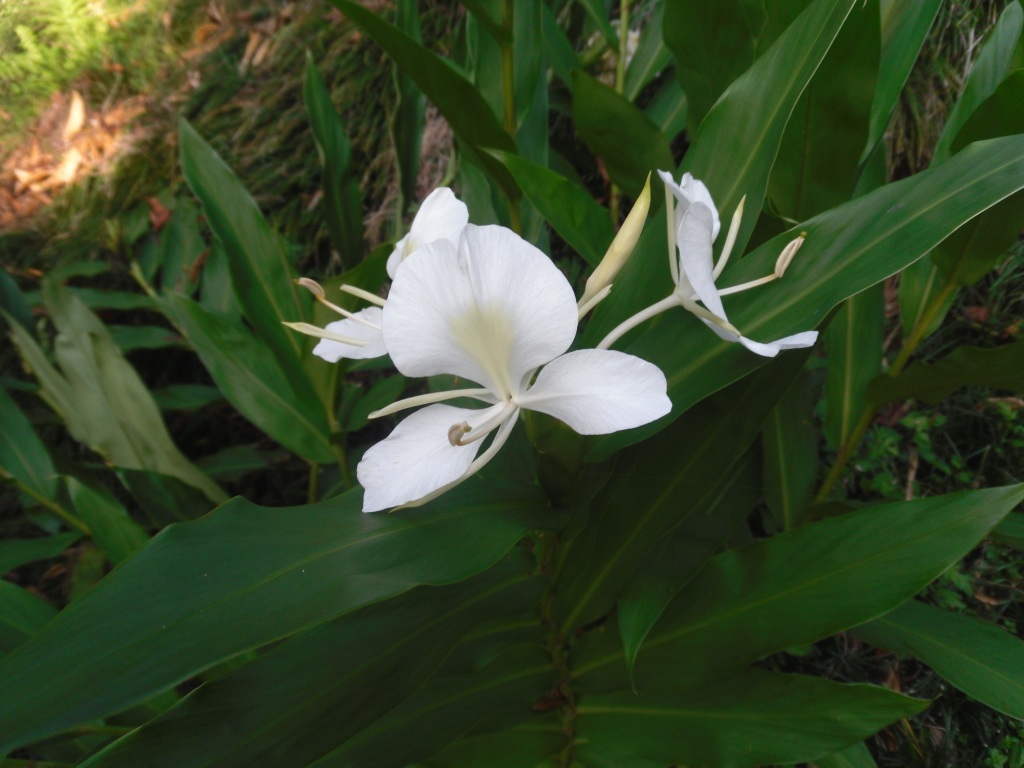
(782, 263)
(311, 285)
(457, 431)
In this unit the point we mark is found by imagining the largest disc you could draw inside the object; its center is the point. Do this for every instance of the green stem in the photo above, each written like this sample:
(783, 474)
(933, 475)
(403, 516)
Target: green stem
(910, 345)
(72, 521)
(314, 481)
(337, 437)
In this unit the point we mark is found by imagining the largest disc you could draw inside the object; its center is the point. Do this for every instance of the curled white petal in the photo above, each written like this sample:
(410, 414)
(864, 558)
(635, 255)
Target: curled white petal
(441, 216)
(597, 391)
(771, 349)
(688, 191)
(416, 458)
(365, 327)
(696, 260)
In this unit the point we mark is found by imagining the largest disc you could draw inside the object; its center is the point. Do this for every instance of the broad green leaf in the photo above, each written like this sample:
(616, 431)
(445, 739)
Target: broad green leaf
(110, 525)
(22, 454)
(250, 378)
(651, 57)
(238, 579)
(236, 461)
(669, 109)
(905, 25)
(1001, 367)
(407, 119)
(261, 271)
(22, 615)
(789, 445)
(97, 298)
(185, 397)
(817, 164)
(1011, 531)
(853, 341)
(630, 145)
(567, 207)
(684, 552)
(498, 696)
(856, 756)
(469, 116)
(977, 657)
(848, 249)
(751, 602)
(479, 10)
(530, 745)
(164, 499)
(656, 485)
(356, 412)
(732, 153)
(314, 692)
(132, 337)
(993, 63)
(744, 721)
(559, 52)
(712, 44)
(101, 397)
(17, 552)
(342, 200)
(919, 295)
(13, 303)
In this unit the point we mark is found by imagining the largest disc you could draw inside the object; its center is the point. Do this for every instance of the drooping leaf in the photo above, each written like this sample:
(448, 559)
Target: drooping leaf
(342, 200)
(977, 657)
(625, 139)
(1001, 367)
(748, 720)
(228, 583)
(750, 602)
(110, 525)
(22, 454)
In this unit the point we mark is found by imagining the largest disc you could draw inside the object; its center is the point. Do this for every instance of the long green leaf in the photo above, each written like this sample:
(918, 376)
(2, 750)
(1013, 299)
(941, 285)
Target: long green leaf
(977, 657)
(314, 692)
(789, 446)
(1002, 368)
(342, 200)
(250, 378)
(260, 269)
(651, 57)
(407, 120)
(22, 615)
(109, 523)
(240, 578)
(744, 721)
(469, 116)
(750, 602)
(22, 454)
(856, 756)
(18, 552)
(1011, 531)
(848, 249)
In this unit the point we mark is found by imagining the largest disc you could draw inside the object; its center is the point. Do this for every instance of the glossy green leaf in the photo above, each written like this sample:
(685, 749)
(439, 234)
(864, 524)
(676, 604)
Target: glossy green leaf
(669, 566)
(741, 722)
(567, 207)
(847, 249)
(407, 119)
(977, 657)
(905, 25)
(817, 164)
(17, 552)
(101, 397)
(751, 602)
(856, 756)
(993, 63)
(529, 745)
(1001, 367)
(22, 454)
(229, 583)
(789, 445)
(250, 378)
(656, 485)
(468, 114)
(314, 692)
(1011, 531)
(853, 341)
(559, 52)
(98, 298)
(164, 499)
(651, 57)
(669, 110)
(920, 285)
(110, 525)
(342, 201)
(22, 615)
(498, 696)
(625, 139)
(261, 271)
(712, 44)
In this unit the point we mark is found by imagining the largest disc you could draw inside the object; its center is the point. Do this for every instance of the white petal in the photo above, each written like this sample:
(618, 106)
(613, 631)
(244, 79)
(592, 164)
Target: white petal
(688, 191)
(416, 458)
(396, 256)
(796, 341)
(332, 351)
(441, 216)
(696, 258)
(597, 391)
(489, 311)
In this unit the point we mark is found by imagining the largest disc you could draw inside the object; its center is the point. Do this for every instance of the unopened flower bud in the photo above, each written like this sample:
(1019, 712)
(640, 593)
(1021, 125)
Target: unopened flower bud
(782, 263)
(311, 285)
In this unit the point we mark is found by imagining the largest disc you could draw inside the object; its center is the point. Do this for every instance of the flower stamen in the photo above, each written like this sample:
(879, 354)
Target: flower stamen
(323, 333)
(318, 293)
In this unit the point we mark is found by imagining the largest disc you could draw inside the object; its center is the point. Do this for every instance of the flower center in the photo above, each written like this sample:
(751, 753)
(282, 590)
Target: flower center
(485, 334)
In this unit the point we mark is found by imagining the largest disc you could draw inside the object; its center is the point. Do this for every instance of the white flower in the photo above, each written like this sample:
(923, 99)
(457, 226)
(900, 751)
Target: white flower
(696, 226)
(441, 216)
(358, 336)
(492, 310)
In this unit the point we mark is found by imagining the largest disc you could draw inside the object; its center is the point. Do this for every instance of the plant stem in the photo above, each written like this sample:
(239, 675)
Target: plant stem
(71, 520)
(314, 477)
(910, 344)
(337, 434)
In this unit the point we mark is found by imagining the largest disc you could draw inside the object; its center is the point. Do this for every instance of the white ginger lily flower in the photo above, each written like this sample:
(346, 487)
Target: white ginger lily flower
(492, 310)
(358, 336)
(694, 230)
